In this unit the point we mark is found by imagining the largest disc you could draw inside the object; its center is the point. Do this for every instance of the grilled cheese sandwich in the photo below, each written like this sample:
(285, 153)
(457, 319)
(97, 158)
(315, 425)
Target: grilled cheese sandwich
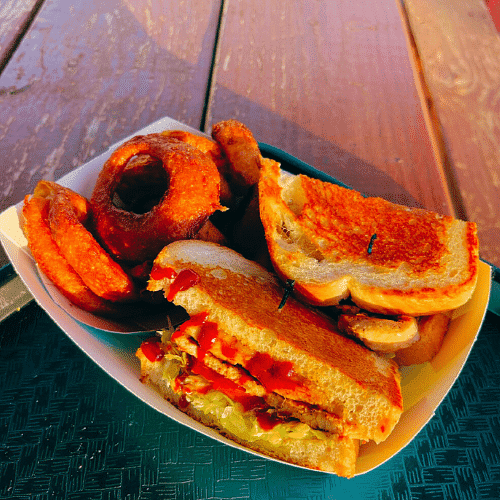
(288, 366)
(387, 258)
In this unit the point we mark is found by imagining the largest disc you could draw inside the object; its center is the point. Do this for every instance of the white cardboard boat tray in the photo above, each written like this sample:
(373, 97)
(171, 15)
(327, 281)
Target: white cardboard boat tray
(423, 386)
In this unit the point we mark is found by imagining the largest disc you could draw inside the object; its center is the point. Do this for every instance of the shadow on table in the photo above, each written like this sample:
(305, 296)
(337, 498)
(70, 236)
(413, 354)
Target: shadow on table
(272, 129)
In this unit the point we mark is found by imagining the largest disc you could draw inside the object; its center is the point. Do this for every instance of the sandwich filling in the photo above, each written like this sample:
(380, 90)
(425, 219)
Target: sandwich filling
(253, 379)
(218, 402)
(239, 412)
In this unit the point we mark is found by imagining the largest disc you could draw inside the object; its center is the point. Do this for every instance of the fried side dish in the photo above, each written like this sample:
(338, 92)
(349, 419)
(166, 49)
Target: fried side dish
(161, 202)
(381, 334)
(51, 260)
(431, 330)
(192, 196)
(242, 151)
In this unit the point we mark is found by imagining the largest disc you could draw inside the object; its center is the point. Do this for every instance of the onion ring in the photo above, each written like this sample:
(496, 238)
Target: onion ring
(53, 264)
(192, 196)
(143, 179)
(215, 152)
(142, 185)
(204, 144)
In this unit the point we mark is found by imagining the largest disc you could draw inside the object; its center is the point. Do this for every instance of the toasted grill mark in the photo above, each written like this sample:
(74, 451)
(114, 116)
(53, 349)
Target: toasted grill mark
(399, 237)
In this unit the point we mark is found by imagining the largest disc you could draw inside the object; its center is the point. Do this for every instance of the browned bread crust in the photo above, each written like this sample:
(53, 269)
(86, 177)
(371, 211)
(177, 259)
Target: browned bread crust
(390, 259)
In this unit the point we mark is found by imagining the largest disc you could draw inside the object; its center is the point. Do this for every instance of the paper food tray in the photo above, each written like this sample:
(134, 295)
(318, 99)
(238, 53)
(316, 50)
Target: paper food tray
(423, 386)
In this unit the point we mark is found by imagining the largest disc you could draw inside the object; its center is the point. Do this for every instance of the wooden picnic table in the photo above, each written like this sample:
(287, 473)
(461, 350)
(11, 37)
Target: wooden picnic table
(388, 98)
(396, 99)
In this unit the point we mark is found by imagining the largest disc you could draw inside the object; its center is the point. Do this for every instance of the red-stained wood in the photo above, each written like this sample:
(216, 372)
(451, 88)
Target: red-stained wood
(89, 73)
(459, 48)
(331, 83)
(15, 15)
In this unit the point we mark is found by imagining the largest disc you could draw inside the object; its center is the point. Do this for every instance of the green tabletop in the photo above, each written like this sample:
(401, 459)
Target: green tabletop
(68, 430)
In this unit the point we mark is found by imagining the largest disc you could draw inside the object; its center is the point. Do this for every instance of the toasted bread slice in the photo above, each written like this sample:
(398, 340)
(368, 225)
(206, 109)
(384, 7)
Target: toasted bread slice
(390, 259)
(242, 298)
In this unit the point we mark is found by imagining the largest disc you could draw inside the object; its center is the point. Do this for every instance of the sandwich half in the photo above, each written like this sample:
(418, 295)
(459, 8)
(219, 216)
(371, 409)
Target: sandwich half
(281, 381)
(388, 258)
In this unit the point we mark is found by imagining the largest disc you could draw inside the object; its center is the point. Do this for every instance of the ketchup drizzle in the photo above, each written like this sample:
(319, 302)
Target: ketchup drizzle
(207, 335)
(152, 350)
(272, 374)
(183, 281)
(206, 338)
(228, 351)
(159, 272)
(267, 421)
(228, 387)
(195, 320)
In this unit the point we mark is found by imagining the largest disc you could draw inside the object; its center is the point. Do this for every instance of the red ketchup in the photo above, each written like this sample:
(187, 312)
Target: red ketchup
(207, 335)
(206, 338)
(195, 320)
(267, 421)
(228, 387)
(272, 374)
(152, 350)
(159, 272)
(228, 351)
(183, 281)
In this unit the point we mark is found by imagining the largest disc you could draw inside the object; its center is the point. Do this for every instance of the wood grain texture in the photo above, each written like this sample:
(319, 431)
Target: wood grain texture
(331, 83)
(90, 73)
(459, 48)
(13, 16)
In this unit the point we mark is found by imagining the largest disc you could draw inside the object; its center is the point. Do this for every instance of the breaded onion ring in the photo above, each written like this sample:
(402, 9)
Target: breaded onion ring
(53, 264)
(204, 144)
(142, 185)
(192, 196)
(215, 152)
(143, 180)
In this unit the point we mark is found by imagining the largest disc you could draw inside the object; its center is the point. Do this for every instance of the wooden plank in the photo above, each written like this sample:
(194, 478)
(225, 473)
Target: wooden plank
(14, 16)
(331, 83)
(459, 48)
(89, 73)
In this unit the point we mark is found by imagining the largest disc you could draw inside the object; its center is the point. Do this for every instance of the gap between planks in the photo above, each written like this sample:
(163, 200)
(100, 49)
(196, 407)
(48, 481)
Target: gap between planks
(212, 76)
(448, 180)
(25, 26)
